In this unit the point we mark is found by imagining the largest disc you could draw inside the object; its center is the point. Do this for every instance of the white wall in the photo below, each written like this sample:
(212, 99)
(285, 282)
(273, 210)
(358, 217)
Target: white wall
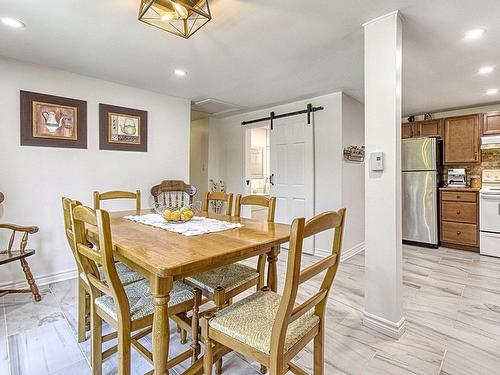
(227, 156)
(33, 179)
(198, 160)
(353, 174)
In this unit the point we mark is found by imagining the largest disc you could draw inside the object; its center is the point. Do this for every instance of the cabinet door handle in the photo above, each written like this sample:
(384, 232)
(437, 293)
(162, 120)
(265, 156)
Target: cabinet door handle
(459, 233)
(458, 197)
(458, 212)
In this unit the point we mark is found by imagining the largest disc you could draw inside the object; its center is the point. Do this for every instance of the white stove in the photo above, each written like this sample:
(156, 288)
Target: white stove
(490, 213)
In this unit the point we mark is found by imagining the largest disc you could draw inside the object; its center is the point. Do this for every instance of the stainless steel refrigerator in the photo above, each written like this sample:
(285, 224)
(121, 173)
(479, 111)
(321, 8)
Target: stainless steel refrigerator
(419, 164)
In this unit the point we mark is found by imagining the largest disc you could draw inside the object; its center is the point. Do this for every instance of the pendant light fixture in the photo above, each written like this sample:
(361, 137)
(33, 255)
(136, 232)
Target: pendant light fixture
(179, 17)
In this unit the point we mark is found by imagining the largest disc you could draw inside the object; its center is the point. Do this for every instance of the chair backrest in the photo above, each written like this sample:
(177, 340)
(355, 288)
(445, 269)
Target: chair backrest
(67, 205)
(171, 192)
(91, 258)
(287, 312)
(24, 239)
(219, 196)
(98, 197)
(256, 200)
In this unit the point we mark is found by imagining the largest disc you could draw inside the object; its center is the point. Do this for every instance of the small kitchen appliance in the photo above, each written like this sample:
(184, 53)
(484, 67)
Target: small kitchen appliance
(457, 177)
(490, 213)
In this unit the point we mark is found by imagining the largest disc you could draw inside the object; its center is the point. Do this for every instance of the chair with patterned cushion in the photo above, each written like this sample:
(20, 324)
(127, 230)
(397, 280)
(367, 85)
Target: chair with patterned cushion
(125, 274)
(11, 255)
(118, 194)
(224, 283)
(127, 308)
(216, 198)
(270, 328)
(173, 193)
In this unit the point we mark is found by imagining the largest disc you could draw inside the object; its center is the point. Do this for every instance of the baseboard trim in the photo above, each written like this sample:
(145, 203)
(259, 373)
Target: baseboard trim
(384, 326)
(349, 253)
(42, 280)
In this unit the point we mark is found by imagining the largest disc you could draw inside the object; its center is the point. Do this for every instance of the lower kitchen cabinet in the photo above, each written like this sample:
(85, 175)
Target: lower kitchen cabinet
(459, 218)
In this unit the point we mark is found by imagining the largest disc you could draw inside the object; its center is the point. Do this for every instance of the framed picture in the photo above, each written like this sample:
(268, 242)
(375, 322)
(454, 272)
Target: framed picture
(53, 121)
(123, 129)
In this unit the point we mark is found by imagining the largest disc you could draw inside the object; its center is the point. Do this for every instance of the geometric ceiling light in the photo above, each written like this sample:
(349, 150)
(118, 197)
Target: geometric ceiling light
(179, 17)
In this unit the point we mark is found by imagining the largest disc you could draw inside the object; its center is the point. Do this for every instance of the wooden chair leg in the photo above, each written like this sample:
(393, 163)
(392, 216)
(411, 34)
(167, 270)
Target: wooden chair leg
(82, 311)
(220, 302)
(208, 355)
(319, 356)
(31, 280)
(96, 337)
(261, 268)
(195, 326)
(124, 348)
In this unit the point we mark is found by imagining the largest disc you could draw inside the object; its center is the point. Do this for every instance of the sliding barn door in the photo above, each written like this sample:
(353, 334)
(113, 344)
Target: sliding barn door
(292, 171)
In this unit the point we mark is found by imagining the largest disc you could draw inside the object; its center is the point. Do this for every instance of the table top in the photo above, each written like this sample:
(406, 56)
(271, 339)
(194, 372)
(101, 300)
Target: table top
(164, 253)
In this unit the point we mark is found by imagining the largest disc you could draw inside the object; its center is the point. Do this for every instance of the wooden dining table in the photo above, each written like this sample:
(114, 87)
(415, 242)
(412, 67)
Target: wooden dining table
(162, 256)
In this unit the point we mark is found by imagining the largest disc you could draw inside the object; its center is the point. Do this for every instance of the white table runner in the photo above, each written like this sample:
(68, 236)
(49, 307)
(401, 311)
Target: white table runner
(198, 225)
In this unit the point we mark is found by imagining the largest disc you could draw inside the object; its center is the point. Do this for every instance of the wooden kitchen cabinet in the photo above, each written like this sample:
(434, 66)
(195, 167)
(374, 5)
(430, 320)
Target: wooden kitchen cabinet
(407, 131)
(491, 123)
(459, 219)
(461, 140)
(430, 128)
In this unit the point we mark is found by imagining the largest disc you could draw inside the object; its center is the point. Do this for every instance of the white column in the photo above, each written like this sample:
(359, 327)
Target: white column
(383, 255)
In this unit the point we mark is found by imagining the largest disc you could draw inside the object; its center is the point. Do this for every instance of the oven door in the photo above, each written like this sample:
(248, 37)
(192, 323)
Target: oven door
(490, 213)
(490, 244)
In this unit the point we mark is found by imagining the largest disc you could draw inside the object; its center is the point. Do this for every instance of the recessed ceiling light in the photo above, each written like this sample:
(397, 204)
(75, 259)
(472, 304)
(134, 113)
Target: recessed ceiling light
(13, 23)
(485, 69)
(491, 91)
(180, 72)
(474, 34)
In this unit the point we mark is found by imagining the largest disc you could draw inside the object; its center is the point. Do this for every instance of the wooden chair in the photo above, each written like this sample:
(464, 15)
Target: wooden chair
(125, 274)
(98, 197)
(219, 196)
(222, 284)
(173, 191)
(270, 328)
(10, 255)
(126, 308)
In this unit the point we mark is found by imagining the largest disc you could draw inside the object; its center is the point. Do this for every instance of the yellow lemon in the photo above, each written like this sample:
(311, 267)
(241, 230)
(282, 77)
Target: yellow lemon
(184, 209)
(176, 216)
(189, 214)
(167, 214)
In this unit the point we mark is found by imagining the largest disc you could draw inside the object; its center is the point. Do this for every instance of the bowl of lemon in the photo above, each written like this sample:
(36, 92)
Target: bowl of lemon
(176, 214)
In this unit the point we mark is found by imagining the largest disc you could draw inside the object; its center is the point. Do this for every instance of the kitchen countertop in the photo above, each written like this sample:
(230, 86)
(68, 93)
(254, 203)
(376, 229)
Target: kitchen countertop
(454, 188)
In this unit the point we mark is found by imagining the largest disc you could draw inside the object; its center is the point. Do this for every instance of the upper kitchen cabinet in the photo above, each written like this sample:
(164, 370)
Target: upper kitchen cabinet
(491, 123)
(407, 131)
(461, 140)
(429, 128)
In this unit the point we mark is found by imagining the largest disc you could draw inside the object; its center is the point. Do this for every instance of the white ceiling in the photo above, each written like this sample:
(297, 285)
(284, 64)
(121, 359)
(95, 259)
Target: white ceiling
(260, 52)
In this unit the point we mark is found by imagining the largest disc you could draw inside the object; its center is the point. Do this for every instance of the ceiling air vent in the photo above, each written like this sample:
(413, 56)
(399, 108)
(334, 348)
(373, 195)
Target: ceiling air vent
(214, 107)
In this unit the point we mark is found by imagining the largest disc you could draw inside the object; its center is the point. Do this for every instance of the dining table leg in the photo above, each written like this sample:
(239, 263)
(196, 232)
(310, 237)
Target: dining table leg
(272, 273)
(160, 288)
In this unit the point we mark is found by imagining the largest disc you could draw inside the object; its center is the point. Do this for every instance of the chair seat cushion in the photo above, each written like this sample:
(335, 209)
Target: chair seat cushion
(251, 320)
(125, 274)
(228, 277)
(141, 300)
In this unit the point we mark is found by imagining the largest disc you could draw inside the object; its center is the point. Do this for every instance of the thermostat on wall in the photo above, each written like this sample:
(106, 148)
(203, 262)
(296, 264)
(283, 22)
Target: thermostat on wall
(377, 161)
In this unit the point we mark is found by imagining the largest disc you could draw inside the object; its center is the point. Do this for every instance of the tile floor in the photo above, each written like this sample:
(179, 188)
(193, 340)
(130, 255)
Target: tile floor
(451, 302)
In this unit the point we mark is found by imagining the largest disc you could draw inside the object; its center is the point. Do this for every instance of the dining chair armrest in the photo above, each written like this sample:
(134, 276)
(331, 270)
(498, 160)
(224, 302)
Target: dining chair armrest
(19, 228)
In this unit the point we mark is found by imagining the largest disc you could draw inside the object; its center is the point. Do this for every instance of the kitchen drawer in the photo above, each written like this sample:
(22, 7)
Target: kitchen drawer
(459, 196)
(458, 233)
(459, 212)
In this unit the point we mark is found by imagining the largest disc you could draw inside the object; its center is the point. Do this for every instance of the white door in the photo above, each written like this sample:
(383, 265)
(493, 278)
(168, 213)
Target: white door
(292, 171)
